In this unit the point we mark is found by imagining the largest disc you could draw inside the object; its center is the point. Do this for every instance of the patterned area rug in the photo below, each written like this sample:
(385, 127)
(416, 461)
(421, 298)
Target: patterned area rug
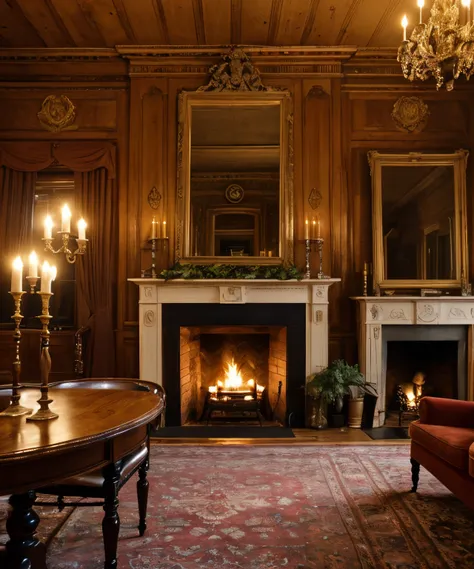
(280, 506)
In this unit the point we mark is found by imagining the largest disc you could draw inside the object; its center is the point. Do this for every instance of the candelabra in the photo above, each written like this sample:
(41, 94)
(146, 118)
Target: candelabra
(15, 409)
(151, 271)
(319, 241)
(70, 255)
(44, 413)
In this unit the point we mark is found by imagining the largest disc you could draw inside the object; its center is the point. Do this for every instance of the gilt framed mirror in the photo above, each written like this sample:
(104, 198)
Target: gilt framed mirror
(235, 170)
(419, 220)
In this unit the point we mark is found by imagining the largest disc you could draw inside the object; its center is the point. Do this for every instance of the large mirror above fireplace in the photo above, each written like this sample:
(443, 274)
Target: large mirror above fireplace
(235, 188)
(419, 220)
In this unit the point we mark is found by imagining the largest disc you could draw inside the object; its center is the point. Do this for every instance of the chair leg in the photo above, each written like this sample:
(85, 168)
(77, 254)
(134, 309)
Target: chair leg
(415, 473)
(142, 495)
(111, 521)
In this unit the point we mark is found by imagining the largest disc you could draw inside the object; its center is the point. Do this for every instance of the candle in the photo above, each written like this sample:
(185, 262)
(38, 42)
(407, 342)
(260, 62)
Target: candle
(404, 26)
(421, 3)
(33, 265)
(319, 229)
(66, 219)
(467, 4)
(153, 229)
(45, 277)
(17, 275)
(53, 271)
(48, 227)
(81, 228)
(164, 229)
(306, 229)
(313, 230)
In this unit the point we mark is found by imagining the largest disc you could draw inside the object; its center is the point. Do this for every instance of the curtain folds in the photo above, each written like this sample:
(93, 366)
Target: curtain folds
(96, 271)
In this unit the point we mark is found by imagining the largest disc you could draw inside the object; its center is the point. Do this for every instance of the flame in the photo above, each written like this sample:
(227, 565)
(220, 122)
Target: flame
(233, 379)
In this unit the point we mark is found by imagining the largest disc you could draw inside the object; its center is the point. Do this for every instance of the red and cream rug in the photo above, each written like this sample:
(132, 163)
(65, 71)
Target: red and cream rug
(290, 507)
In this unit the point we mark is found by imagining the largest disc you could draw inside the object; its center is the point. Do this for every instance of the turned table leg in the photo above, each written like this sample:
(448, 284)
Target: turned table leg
(415, 473)
(24, 550)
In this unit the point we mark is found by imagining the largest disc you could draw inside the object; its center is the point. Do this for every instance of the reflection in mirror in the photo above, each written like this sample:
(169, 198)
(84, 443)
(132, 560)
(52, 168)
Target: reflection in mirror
(418, 210)
(235, 180)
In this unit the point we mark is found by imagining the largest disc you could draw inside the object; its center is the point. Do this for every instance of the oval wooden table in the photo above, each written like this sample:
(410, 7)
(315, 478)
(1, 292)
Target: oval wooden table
(95, 429)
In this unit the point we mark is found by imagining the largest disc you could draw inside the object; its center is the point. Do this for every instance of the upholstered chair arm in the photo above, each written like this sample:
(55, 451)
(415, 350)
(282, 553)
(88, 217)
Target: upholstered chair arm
(447, 412)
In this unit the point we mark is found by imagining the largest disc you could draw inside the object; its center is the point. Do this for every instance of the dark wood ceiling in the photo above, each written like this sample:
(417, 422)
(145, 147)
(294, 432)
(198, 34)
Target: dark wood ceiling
(106, 23)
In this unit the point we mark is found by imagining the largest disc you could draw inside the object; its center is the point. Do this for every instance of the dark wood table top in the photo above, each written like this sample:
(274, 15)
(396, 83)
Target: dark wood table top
(94, 426)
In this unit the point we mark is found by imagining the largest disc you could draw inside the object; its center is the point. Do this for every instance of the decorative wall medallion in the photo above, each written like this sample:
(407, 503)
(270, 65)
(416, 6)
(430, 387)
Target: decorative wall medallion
(397, 314)
(149, 318)
(154, 198)
(315, 198)
(426, 313)
(376, 310)
(234, 193)
(457, 313)
(410, 114)
(235, 73)
(232, 294)
(57, 114)
(320, 291)
(376, 332)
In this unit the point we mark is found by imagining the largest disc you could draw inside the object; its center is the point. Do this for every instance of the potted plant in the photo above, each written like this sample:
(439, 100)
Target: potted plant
(327, 387)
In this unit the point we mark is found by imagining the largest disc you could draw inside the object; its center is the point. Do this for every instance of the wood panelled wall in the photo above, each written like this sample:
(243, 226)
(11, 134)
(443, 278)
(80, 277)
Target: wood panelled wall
(343, 100)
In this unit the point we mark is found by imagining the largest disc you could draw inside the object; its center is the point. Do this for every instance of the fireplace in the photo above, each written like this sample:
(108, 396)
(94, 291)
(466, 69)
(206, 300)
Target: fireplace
(233, 372)
(266, 347)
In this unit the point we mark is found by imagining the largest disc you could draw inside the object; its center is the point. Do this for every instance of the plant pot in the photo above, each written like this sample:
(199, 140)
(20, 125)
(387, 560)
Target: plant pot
(316, 413)
(356, 407)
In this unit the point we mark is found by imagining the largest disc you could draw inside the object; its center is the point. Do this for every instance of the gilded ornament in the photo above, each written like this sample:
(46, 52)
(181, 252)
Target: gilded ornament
(235, 73)
(410, 114)
(234, 193)
(57, 114)
(154, 198)
(315, 198)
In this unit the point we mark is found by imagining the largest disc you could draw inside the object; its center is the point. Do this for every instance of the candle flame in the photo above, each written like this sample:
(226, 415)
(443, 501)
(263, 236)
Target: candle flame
(466, 3)
(53, 272)
(81, 224)
(421, 3)
(48, 222)
(66, 212)
(33, 258)
(18, 263)
(404, 21)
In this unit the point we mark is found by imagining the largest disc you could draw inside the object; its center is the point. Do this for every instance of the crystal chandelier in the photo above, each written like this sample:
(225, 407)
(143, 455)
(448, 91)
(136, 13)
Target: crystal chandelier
(443, 47)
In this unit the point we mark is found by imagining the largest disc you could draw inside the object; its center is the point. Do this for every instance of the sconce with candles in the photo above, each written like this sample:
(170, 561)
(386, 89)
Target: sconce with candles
(158, 234)
(48, 274)
(65, 234)
(312, 234)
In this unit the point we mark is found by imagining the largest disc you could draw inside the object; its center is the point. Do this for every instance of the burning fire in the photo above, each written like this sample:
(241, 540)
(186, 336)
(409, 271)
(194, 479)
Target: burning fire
(234, 382)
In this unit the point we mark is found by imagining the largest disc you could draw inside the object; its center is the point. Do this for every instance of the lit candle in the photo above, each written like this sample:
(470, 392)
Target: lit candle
(48, 227)
(66, 219)
(404, 26)
(153, 229)
(46, 277)
(164, 229)
(313, 230)
(421, 3)
(467, 4)
(319, 228)
(33, 265)
(17, 275)
(81, 228)
(53, 271)
(306, 229)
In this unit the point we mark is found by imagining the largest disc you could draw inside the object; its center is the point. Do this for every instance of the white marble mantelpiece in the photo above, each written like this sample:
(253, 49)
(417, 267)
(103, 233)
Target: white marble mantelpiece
(156, 292)
(374, 312)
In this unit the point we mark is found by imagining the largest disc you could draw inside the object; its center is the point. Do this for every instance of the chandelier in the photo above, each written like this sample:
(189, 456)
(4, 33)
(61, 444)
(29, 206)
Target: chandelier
(442, 47)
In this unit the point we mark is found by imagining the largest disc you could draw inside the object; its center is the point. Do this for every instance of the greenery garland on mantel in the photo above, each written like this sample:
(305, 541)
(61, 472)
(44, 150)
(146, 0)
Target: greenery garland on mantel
(222, 271)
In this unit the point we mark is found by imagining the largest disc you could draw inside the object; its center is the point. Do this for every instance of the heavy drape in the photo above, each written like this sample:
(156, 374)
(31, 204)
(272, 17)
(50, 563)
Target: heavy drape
(94, 164)
(96, 273)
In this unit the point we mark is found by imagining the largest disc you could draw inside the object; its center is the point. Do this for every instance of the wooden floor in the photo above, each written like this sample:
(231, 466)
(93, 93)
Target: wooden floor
(329, 437)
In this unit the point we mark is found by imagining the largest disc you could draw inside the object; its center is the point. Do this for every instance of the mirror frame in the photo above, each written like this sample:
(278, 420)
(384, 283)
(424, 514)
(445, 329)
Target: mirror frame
(189, 100)
(458, 160)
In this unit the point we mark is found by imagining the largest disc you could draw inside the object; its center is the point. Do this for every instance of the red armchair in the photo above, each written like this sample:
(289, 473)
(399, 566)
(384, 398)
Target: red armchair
(442, 441)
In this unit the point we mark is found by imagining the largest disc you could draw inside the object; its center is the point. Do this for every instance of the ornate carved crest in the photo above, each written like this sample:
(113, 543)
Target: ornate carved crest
(154, 198)
(57, 114)
(235, 73)
(410, 114)
(315, 198)
(234, 193)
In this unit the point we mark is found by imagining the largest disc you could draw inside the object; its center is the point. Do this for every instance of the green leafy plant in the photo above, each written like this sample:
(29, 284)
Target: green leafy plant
(224, 271)
(337, 380)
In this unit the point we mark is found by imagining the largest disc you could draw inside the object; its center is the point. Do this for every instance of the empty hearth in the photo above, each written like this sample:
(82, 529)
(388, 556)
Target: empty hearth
(233, 373)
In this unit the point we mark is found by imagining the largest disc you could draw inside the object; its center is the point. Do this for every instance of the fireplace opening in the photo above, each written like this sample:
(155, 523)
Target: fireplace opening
(233, 374)
(426, 360)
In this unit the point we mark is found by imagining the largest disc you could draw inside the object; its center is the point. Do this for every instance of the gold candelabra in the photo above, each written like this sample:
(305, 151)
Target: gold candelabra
(15, 409)
(44, 413)
(319, 241)
(70, 255)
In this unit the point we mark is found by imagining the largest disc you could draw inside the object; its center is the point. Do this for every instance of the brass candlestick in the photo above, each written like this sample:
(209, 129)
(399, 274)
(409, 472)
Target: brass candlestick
(44, 413)
(70, 255)
(365, 277)
(319, 244)
(307, 243)
(15, 409)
